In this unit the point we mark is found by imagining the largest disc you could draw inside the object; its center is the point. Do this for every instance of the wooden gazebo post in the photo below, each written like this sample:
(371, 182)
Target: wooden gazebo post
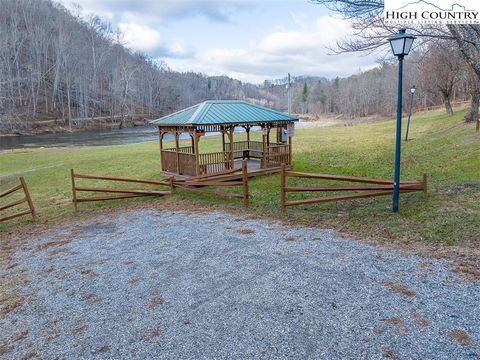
(230, 136)
(263, 127)
(160, 136)
(289, 150)
(177, 147)
(196, 139)
(193, 142)
(222, 130)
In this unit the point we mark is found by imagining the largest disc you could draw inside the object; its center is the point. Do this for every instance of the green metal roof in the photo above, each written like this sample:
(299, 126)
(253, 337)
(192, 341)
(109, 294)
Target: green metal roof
(216, 112)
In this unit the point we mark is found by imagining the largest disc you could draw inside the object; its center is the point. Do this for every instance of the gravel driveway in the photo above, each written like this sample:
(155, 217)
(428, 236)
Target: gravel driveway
(176, 285)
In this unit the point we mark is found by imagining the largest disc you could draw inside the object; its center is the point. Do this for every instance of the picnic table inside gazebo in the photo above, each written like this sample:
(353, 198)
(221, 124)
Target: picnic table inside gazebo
(224, 116)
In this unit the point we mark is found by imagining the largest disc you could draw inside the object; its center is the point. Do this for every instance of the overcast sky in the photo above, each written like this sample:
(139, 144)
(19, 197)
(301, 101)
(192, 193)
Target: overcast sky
(245, 39)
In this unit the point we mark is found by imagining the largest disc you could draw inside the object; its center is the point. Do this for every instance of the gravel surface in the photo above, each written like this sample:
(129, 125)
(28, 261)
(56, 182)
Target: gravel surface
(176, 285)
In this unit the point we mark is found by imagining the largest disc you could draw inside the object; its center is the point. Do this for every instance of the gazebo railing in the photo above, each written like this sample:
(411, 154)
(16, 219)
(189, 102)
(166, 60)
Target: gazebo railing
(277, 155)
(184, 162)
(214, 162)
(256, 148)
(187, 164)
(182, 149)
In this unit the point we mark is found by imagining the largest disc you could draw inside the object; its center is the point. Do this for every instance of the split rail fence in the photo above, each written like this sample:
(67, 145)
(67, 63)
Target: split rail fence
(26, 199)
(194, 184)
(122, 193)
(370, 187)
(224, 179)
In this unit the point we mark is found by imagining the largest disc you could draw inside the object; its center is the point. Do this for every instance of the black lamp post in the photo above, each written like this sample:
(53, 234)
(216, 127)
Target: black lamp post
(401, 44)
(412, 91)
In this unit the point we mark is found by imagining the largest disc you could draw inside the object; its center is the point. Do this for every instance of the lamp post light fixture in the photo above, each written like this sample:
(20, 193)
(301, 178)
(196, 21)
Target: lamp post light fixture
(401, 44)
(412, 91)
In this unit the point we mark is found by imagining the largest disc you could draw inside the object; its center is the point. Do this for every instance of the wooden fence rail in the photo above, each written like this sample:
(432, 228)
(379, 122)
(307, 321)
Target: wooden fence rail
(124, 193)
(224, 179)
(26, 199)
(378, 187)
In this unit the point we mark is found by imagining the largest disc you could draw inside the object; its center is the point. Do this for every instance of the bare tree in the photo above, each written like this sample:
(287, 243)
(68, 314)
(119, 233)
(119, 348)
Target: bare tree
(366, 17)
(445, 64)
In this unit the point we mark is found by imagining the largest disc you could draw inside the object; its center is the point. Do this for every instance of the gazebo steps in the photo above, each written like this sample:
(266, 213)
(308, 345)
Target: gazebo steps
(231, 175)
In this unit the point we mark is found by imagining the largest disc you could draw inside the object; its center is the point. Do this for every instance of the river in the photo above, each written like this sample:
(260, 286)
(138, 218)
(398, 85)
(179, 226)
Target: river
(90, 138)
(83, 138)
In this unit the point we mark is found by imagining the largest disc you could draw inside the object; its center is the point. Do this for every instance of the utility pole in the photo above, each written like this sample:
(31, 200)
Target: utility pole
(289, 85)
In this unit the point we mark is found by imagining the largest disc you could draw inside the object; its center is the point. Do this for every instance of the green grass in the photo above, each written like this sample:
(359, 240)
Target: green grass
(445, 148)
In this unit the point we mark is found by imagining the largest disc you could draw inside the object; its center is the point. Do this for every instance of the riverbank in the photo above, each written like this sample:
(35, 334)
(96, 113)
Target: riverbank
(62, 126)
(99, 137)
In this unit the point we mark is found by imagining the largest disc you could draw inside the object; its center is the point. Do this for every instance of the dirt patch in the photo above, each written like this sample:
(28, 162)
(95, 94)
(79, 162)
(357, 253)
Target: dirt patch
(102, 349)
(461, 336)
(52, 335)
(156, 300)
(47, 270)
(59, 251)
(4, 349)
(134, 280)
(245, 231)
(88, 272)
(394, 320)
(10, 305)
(390, 354)
(30, 355)
(399, 288)
(79, 329)
(469, 268)
(51, 244)
(91, 298)
(20, 335)
(151, 334)
(418, 318)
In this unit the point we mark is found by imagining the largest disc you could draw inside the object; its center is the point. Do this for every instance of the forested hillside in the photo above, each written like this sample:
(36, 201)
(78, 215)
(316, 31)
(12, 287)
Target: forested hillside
(439, 73)
(57, 65)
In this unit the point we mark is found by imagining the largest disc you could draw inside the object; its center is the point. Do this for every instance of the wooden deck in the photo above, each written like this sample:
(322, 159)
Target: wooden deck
(253, 170)
(185, 164)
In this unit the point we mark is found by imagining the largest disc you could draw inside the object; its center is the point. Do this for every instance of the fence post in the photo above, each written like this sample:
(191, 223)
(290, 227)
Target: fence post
(424, 184)
(74, 190)
(282, 187)
(27, 196)
(172, 186)
(478, 125)
(246, 199)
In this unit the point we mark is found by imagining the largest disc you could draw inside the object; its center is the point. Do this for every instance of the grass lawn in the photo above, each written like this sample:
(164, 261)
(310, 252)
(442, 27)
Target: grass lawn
(445, 148)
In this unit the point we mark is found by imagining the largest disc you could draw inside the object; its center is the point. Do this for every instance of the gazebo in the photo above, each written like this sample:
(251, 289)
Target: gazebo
(223, 117)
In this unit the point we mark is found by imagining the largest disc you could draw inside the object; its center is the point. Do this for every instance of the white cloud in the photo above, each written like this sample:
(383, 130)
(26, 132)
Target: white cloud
(301, 51)
(299, 46)
(140, 37)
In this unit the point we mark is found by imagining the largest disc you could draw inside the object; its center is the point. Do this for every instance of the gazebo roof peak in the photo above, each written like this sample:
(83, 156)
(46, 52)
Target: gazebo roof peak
(223, 112)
